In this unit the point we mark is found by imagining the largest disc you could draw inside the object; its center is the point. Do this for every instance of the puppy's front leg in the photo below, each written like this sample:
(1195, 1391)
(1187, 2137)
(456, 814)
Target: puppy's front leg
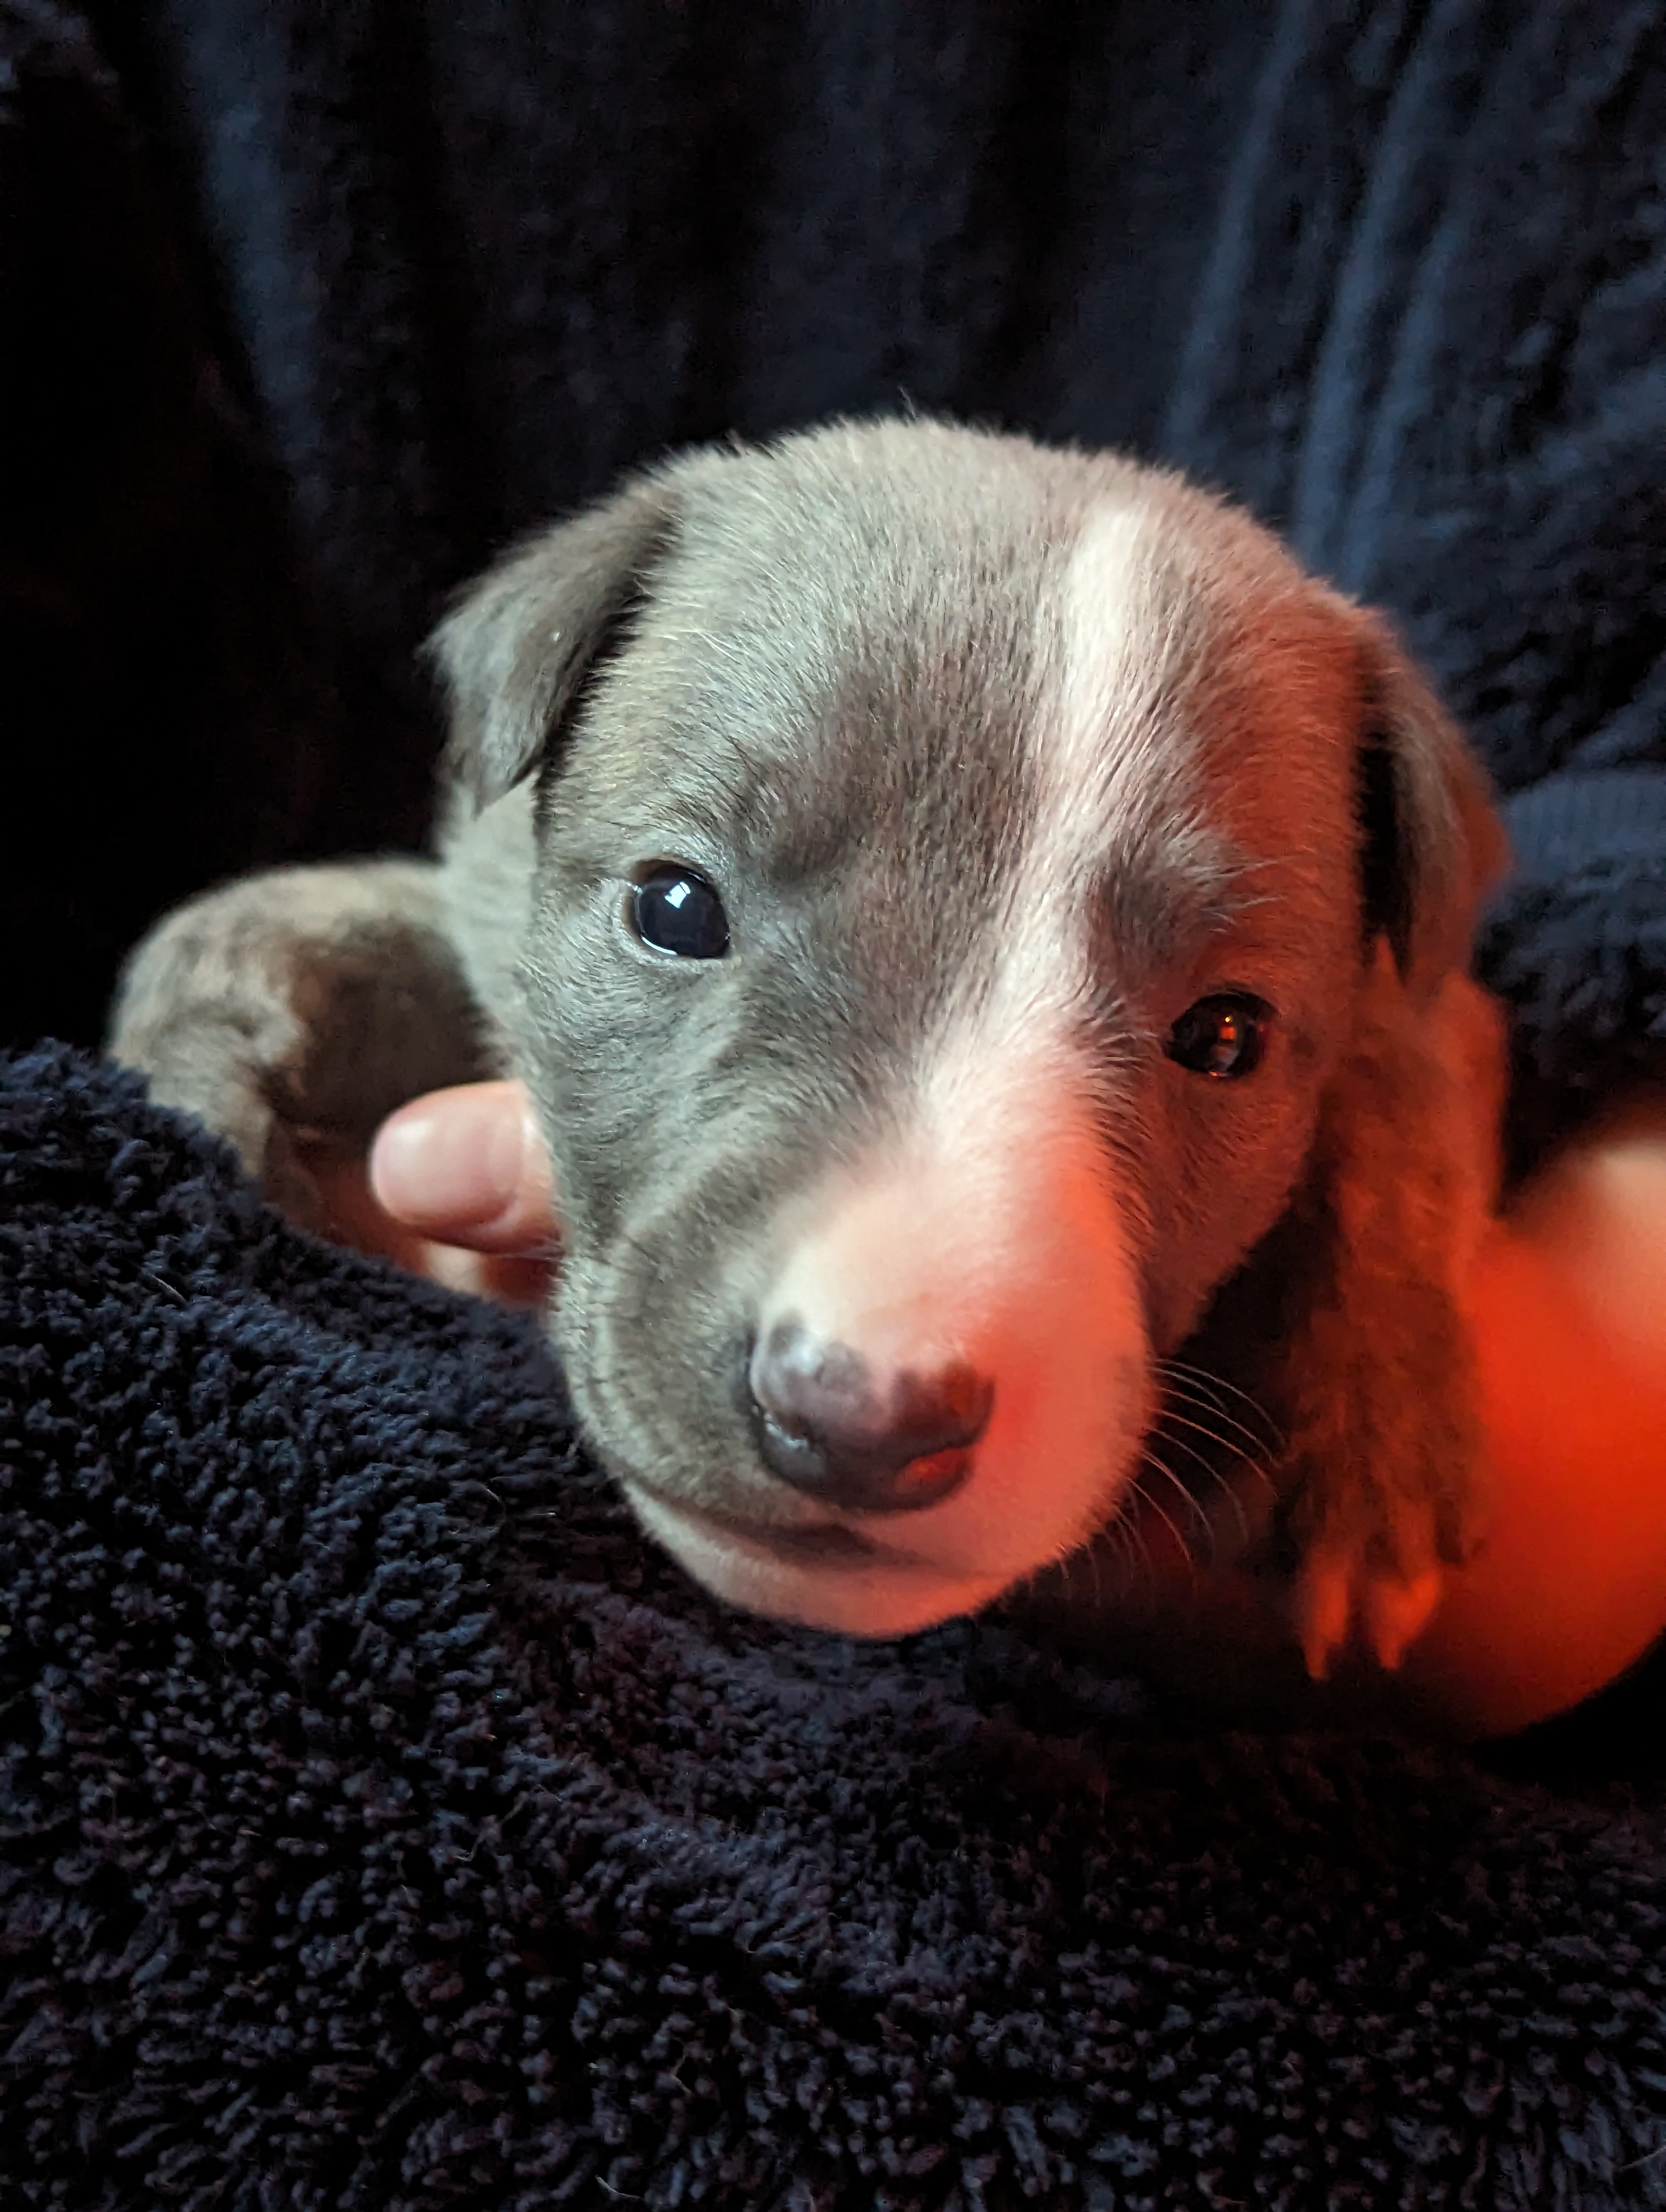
(292, 1011)
(1380, 1380)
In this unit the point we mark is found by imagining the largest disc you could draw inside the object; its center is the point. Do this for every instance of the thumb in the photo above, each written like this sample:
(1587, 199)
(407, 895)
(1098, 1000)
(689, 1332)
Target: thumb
(467, 1166)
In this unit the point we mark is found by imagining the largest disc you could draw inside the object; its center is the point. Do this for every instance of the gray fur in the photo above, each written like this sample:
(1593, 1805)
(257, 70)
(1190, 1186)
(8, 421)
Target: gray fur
(297, 1009)
(816, 673)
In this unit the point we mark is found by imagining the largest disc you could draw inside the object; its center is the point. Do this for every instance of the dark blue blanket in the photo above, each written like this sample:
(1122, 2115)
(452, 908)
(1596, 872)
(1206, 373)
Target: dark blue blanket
(386, 1824)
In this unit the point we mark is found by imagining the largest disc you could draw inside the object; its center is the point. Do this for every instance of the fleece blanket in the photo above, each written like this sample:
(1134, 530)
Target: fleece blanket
(385, 1823)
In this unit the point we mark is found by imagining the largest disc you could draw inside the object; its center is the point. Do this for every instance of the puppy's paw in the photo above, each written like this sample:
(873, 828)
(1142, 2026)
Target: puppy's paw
(1336, 1594)
(1389, 1491)
(292, 1011)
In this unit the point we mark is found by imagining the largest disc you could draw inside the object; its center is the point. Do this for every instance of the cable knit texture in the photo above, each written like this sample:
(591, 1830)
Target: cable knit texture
(387, 1823)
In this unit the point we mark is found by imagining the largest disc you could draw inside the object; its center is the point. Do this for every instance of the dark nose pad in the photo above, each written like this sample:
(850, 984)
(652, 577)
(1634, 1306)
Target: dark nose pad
(886, 1443)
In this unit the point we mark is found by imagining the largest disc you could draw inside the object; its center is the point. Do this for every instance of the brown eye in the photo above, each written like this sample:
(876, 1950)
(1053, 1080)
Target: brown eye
(1223, 1037)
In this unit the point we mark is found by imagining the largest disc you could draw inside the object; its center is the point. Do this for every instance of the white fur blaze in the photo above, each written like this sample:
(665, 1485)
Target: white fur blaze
(989, 1236)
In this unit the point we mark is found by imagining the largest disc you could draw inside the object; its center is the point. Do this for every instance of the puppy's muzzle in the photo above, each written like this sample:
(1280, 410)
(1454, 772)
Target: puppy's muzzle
(828, 1426)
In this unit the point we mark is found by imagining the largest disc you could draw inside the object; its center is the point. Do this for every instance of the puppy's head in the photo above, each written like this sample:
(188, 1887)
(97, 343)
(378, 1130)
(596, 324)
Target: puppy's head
(956, 867)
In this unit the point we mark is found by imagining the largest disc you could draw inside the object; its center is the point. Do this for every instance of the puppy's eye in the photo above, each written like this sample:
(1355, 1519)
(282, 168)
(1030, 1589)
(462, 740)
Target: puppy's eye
(675, 910)
(1222, 1036)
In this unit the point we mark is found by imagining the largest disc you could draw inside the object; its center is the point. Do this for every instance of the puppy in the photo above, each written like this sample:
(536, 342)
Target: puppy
(984, 934)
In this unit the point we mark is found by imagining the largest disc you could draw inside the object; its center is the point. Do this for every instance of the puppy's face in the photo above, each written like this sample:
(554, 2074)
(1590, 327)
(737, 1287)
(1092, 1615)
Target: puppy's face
(948, 914)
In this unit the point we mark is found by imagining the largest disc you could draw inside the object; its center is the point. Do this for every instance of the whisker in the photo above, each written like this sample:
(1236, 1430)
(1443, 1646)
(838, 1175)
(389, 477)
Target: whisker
(1096, 1561)
(1167, 1519)
(1215, 1384)
(1190, 1497)
(1249, 1463)
(1084, 1559)
(1132, 1551)
(1218, 1424)
(1217, 1389)
(1217, 1478)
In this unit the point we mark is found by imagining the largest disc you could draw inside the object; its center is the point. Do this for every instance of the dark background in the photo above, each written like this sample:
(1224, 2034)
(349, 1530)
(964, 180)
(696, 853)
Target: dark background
(306, 306)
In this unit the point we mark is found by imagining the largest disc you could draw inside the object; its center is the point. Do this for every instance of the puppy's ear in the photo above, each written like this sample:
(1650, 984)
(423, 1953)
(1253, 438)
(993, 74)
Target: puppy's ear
(516, 652)
(1432, 845)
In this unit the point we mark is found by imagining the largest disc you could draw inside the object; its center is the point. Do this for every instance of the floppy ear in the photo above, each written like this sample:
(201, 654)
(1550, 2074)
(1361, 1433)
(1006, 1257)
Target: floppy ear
(517, 650)
(1432, 844)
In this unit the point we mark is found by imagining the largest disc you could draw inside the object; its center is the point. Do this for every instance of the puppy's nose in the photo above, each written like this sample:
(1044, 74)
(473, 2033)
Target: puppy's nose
(887, 1443)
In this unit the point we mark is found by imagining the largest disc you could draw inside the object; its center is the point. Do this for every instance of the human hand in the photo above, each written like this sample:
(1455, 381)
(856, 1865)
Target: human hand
(462, 1180)
(1568, 1307)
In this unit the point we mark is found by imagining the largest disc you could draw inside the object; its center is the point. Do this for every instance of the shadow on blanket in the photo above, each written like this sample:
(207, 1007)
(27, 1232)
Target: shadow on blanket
(387, 1824)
